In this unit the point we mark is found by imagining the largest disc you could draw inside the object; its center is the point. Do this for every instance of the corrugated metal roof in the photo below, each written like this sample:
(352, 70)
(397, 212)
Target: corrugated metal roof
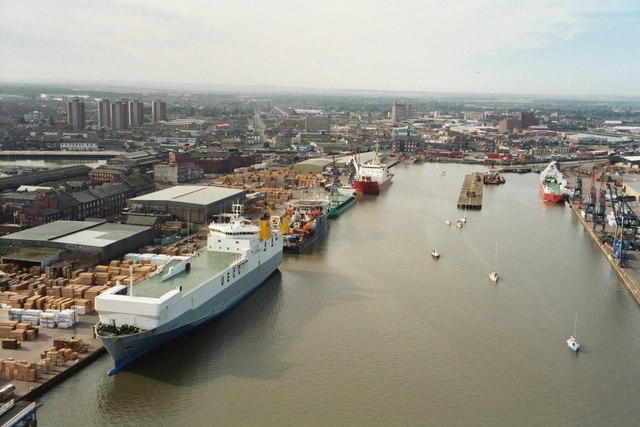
(192, 194)
(316, 162)
(101, 235)
(83, 233)
(50, 231)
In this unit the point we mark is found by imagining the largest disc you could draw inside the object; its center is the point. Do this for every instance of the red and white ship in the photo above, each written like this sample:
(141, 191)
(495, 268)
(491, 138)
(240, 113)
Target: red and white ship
(371, 178)
(552, 184)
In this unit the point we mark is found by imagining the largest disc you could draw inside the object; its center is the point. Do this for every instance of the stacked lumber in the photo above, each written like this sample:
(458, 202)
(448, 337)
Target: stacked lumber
(74, 344)
(10, 344)
(20, 370)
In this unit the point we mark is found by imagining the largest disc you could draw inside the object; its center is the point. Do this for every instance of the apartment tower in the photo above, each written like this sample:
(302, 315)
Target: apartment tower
(136, 113)
(158, 111)
(75, 114)
(104, 113)
(119, 116)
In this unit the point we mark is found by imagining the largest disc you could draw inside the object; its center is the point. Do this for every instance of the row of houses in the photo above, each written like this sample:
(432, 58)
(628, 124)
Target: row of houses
(29, 209)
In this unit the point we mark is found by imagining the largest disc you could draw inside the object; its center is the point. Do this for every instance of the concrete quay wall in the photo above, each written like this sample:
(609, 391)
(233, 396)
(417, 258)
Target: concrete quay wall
(630, 276)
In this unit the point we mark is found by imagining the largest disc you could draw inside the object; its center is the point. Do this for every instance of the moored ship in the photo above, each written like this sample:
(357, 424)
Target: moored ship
(185, 292)
(552, 184)
(371, 178)
(339, 203)
(493, 177)
(303, 222)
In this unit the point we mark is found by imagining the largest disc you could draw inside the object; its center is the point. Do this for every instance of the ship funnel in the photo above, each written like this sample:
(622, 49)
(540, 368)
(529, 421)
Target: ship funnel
(264, 229)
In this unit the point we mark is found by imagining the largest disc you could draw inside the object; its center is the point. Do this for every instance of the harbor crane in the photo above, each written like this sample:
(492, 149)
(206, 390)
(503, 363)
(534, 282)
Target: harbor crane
(591, 200)
(599, 214)
(626, 225)
(577, 192)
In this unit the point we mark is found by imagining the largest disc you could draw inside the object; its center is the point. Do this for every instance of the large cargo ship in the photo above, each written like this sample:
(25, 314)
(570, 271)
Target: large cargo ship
(552, 184)
(186, 291)
(303, 222)
(371, 178)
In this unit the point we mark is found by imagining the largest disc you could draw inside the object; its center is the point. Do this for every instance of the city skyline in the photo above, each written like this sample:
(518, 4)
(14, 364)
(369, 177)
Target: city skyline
(530, 47)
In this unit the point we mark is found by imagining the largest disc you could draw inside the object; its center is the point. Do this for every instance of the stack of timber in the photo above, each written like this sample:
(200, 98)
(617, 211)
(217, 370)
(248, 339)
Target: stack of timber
(22, 370)
(36, 296)
(20, 331)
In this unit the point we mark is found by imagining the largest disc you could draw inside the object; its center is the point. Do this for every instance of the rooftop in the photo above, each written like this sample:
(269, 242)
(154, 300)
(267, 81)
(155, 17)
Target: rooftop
(84, 233)
(191, 194)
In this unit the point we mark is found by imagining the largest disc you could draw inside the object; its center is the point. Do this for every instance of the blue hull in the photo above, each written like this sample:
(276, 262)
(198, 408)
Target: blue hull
(126, 349)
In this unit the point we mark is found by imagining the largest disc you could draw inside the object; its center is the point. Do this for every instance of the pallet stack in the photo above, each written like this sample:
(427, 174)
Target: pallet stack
(32, 293)
(20, 370)
(74, 344)
(21, 331)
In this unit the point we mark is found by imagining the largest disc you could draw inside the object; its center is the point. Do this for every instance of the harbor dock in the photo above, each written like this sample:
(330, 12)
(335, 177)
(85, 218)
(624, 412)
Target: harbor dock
(31, 351)
(471, 192)
(630, 272)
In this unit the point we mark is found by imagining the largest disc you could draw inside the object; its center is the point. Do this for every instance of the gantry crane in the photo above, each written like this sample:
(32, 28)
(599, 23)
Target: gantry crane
(626, 225)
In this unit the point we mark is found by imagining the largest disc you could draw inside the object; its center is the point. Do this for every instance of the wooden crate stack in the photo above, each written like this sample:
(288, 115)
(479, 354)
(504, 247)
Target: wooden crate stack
(170, 227)
(20, 331)
(33, 290)
(20, 370)
(59, 356)
(74, 344)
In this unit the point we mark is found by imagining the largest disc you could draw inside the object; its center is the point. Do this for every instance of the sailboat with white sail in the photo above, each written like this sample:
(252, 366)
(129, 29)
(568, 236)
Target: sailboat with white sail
(494, 274)
(571, 342)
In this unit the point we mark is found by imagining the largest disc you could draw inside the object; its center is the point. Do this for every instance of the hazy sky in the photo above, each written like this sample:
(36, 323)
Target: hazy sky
(559, 47)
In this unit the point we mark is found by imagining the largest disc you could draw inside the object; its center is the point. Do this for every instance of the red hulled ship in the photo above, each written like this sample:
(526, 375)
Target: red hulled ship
(371, 178)
(552, 184)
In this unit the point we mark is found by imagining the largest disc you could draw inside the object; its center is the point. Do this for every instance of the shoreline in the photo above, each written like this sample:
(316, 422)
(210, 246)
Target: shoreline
(631, 283)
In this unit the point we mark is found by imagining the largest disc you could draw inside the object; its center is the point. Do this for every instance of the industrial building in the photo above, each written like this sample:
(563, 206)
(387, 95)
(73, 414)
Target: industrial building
(190, 203)
(97, 241)
(312, 165)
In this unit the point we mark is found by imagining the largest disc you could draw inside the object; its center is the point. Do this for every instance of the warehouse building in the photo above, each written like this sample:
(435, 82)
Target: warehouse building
(95, 241)
(313, 165)
(190, 203)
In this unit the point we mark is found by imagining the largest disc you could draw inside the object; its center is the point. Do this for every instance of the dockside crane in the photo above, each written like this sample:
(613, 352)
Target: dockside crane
(599, 215)
(591, 200)
(626, 225)
(577, 192)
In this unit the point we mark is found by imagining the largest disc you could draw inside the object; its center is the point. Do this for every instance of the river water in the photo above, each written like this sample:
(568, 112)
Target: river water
(367, 329)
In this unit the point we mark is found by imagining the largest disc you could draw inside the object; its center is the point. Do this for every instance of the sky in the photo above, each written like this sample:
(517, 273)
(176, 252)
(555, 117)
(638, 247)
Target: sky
(538, 47)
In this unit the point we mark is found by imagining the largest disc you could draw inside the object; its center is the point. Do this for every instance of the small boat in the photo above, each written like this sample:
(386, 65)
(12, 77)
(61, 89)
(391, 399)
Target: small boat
(571, 342)
(494, 274)
(443, 173)
(459, 223)
(447, 222)
(493, 177)
(435, 254)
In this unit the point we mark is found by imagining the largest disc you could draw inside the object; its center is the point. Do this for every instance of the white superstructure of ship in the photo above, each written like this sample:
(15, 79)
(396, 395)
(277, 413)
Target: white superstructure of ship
(187, 291)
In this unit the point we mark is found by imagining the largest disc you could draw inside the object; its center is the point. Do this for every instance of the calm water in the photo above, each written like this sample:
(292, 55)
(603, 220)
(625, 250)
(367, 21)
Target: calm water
(369, 330)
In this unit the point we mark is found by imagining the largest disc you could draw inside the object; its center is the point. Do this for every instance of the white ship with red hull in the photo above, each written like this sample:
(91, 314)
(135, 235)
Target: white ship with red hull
(371, 178)
(552, 184)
